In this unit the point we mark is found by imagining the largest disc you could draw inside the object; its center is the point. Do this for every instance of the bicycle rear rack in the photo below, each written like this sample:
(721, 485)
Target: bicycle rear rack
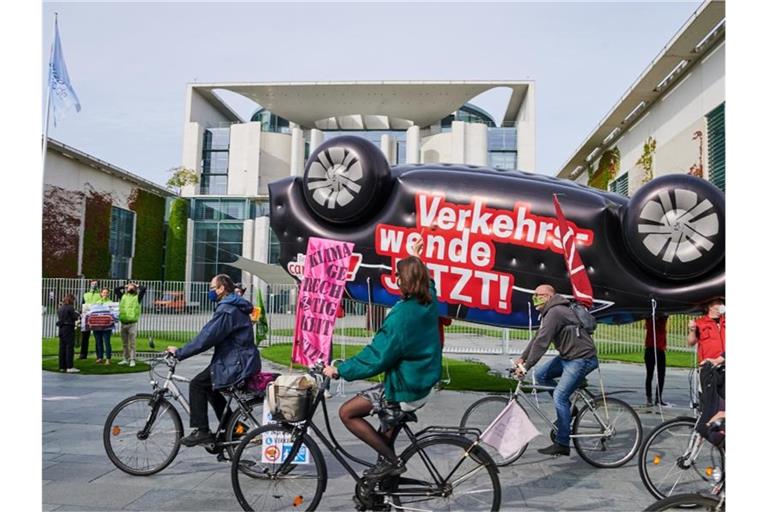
(461, 431)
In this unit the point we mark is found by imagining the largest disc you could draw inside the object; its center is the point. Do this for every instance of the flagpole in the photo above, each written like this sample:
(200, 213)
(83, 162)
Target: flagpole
(48, 98)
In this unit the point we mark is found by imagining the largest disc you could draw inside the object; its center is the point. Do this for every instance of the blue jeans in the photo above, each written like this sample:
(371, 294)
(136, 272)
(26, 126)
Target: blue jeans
(103, 339)
(571, 373)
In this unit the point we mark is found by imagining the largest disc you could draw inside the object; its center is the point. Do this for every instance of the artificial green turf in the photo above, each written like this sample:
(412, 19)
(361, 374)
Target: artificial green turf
(464, 375)
(674, 359)
(51, 345)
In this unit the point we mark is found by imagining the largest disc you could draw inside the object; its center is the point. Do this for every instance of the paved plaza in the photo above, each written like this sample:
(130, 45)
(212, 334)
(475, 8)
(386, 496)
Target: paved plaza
(77, 475)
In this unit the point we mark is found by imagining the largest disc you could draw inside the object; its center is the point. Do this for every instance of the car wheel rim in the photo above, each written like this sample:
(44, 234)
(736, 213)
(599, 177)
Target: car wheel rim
(333, 178)
(682, 228)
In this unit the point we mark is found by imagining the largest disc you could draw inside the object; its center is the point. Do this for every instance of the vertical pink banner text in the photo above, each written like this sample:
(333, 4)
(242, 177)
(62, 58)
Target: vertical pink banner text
(322, 288)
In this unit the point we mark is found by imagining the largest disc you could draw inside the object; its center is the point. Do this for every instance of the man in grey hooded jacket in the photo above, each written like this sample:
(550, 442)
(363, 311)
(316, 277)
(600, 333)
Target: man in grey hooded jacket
(577, 358)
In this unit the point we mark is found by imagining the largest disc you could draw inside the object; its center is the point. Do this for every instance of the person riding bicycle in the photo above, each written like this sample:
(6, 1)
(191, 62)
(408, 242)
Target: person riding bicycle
(235, 356)
(407, 349)
(577, 358)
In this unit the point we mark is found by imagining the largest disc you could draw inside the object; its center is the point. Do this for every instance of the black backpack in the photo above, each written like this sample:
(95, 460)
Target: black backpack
(584, 317)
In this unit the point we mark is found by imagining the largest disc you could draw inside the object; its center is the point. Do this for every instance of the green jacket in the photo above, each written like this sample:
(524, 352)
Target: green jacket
(92, 298)
(130, 309)
(406, 348)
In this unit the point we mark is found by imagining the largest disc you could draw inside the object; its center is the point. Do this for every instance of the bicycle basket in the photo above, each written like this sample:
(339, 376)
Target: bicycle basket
(290, 396)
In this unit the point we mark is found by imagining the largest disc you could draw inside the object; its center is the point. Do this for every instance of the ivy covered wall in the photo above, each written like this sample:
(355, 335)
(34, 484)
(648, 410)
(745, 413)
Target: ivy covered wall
(176, 241)
(148, 242)
(98, 215)
(61, 231)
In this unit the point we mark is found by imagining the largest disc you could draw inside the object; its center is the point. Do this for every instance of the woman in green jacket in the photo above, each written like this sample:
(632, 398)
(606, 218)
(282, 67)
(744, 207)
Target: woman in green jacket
(407, 350)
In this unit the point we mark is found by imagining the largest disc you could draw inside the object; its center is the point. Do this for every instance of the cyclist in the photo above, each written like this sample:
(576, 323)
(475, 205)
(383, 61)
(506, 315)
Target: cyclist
(235, 356)
(407, 349)
(577, 357)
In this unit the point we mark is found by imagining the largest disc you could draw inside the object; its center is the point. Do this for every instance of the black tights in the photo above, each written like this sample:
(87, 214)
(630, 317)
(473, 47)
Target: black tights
(650, 362)
(353, 413)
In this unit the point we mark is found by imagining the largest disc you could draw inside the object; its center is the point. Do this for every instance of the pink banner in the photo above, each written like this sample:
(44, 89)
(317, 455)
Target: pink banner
(322, 288)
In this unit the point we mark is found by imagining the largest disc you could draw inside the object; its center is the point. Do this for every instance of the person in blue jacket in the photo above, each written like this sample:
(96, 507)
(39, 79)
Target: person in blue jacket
(235, 356)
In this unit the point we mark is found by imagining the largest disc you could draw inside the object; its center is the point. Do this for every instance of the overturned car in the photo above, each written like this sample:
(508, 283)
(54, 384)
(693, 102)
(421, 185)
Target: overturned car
(491, 236)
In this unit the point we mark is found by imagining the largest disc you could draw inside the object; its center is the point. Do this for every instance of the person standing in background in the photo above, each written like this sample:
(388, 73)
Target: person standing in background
(67, 316)
(708, 331)
(130, 297)
(89, 297)
(102, 322)
(654, 355)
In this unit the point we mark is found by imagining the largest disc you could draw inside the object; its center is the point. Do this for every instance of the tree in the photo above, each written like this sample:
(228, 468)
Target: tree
(180, 177)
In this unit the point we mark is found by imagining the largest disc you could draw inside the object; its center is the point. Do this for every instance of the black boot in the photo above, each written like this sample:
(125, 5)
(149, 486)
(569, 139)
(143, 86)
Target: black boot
(198, 436)
(384, 468)
(555, 449)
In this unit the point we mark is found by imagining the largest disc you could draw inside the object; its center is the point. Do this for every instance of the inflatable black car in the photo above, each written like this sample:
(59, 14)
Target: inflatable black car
(491, 237)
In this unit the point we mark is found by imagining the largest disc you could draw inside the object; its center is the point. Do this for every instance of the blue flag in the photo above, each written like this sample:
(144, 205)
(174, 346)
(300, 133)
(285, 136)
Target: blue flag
(63, 96)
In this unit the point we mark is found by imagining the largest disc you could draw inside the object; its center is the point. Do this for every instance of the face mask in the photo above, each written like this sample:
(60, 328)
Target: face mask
(538, 301)
(213, 296)
(131, 291)
(721, 309)
(93, 287)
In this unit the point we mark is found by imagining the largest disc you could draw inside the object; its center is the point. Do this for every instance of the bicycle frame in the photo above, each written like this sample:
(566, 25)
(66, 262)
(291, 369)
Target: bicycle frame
(581, 394)
(169, 387)
(342, 455)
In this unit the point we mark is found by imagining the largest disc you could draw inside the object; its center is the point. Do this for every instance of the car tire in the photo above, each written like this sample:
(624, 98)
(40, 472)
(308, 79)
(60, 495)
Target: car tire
(674, 227)
(346, 179)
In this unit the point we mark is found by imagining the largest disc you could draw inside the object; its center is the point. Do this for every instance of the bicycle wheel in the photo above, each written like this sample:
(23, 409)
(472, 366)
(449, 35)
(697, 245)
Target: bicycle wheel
(479, 415)
(130, 447)
(440, 463)
(238, 425)
(612, 447)
(256, 477)
(708, 503)
(676, 460)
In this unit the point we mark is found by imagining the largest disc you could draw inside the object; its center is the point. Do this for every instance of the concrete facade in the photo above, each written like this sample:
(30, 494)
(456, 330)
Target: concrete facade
(669, 104)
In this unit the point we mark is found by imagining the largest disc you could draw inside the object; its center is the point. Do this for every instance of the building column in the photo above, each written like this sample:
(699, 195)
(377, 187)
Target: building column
(413, 145)
(458, 146)
(476, 144)
(297, 151)
(190, 250)
(247, 252)
(387, 147)
(315, 139)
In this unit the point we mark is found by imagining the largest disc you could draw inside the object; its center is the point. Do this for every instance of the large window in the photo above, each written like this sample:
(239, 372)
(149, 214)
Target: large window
(716, 146)
(213, 179)
(215, 245)
(121, 243)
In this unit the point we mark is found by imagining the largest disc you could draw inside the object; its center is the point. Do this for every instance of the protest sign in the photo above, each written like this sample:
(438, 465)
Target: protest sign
(325, 272)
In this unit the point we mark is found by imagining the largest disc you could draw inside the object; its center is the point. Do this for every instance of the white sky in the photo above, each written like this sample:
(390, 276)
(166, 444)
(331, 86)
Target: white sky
(129, 62)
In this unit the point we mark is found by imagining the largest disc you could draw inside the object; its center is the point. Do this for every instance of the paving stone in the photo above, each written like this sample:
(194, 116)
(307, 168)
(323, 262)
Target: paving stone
(101, 496)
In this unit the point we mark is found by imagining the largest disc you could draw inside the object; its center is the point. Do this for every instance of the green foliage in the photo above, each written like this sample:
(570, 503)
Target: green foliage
(646, 159)
(176, 241)
(181, 176)
(61, 232)
(89, 366)
(98, 215)
(465, 375)
(148, 255)
(607, 169)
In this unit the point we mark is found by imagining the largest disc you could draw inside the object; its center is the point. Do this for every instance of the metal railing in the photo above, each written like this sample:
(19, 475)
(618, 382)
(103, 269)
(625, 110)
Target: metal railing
(177, 310)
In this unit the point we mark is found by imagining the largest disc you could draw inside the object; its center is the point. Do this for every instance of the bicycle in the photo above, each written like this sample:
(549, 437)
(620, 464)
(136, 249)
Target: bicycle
(279, 466)
(606, 432)
(142, 434)
(676, 459)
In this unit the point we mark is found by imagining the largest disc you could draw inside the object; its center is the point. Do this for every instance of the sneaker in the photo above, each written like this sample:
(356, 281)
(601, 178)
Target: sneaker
(123, 362)
(73, 370)
(198, 436)
(649, 403)
(384, 468)
(132, 363)
(664, 404)
(106, 362)
(555, 449)
(99, 361)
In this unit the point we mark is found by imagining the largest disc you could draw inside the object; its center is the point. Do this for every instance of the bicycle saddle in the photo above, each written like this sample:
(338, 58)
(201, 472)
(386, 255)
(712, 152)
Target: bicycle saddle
(392, 416)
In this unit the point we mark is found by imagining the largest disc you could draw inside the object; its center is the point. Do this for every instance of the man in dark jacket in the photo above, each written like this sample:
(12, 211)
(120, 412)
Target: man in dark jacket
(235, 356)
(577, 358)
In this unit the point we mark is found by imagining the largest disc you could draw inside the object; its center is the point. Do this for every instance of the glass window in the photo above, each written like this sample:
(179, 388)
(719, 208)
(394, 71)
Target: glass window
(502, 139)
(274, 248)
(120, 242)
(503, 160)
(620, 185)
(233, 209)
(215, 244)
(212, 184)
(716, 146)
